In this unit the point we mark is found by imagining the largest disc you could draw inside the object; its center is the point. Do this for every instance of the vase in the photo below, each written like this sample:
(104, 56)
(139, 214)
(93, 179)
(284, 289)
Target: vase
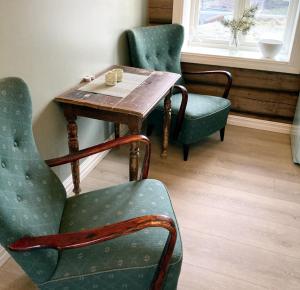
(234, 40)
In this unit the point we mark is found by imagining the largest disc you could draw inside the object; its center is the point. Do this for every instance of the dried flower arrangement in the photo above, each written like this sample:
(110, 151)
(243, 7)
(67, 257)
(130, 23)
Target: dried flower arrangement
(242, 24)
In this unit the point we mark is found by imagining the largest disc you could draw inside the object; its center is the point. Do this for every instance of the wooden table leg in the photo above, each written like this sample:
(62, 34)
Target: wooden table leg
(167, 123)
(134, 153)
(73, 147)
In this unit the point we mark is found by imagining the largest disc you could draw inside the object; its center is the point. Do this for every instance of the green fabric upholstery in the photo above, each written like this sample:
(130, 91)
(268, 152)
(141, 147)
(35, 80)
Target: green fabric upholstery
(204, 115)
(295, 135)
(128, 262)
(33, 202)
(31, 197)
(158, 48)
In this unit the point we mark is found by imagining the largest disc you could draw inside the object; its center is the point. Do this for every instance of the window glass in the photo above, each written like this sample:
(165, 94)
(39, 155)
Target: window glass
(210, 14)
(271, 20)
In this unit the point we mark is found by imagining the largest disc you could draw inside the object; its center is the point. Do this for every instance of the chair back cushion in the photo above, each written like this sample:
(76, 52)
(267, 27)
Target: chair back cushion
(32, 198)
(156, 47)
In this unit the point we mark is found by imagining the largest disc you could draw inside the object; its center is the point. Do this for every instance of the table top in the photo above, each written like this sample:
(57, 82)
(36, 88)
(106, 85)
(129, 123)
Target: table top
(139, 102)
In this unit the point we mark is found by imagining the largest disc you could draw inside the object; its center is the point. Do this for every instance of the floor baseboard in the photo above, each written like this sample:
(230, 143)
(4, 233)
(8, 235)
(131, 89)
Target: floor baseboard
(85, 168)
(89, 164)
(4, 256)
(259, 124)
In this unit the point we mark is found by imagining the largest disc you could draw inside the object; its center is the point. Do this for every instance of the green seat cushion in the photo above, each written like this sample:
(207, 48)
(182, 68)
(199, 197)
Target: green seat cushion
(127, 262)
(204, 115)
(199, 106)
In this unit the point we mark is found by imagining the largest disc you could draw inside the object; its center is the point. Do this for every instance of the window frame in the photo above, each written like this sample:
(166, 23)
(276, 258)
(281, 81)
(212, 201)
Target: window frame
(242, 59)
(239, 6)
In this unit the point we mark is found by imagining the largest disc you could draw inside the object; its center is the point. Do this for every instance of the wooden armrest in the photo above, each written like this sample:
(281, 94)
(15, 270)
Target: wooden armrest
(222, 72)
(103, 147)
(181, 112)
(94, 236)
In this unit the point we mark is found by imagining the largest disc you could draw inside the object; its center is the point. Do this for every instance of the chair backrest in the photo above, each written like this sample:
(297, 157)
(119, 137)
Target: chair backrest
(32, 198)
(156, 47)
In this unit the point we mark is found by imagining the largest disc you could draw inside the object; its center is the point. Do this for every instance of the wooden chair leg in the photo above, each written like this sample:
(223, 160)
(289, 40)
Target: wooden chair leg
(150, 128)
(117, 130)
(186, 150)
(222, 134)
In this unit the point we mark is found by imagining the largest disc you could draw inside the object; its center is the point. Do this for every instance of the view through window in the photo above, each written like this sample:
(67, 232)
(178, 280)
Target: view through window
(273, 20)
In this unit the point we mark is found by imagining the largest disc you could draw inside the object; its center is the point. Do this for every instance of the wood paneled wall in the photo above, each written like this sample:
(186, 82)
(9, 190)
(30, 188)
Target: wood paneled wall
(160, 11)
(260, 93)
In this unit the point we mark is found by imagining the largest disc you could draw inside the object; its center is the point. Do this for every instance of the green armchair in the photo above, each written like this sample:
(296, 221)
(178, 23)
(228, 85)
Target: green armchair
(122, 237)
(194, 116)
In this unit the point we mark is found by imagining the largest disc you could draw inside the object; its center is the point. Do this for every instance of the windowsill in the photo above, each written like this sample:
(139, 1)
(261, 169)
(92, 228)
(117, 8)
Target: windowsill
(240, 59)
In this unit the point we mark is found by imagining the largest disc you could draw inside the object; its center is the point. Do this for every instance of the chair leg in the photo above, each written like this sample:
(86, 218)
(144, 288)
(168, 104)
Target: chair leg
(222, 134)
(117, 130)
(150, 128)
(186, 150)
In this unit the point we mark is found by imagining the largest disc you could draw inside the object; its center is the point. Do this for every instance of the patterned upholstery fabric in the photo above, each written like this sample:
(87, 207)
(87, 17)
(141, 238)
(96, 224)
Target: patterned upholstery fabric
(33, 202)
(128, 262)
(295, 135)
(158, 47)
(204, 115)
(31, 196)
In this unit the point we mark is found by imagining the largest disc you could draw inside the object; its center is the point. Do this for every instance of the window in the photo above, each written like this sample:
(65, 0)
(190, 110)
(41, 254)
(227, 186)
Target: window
(275, 19)
(207, 41)
(208, 15)
(271, 20)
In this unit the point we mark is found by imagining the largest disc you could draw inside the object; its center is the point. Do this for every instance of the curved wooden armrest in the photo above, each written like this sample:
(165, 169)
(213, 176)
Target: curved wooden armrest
(221, 72)
(105, 146)
(94, 236)
(181, 112)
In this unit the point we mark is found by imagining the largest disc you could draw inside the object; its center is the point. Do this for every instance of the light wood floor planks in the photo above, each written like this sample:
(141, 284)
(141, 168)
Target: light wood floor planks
(238, 205)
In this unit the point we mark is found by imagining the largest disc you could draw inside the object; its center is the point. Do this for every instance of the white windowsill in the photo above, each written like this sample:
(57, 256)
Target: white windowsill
(240, 59)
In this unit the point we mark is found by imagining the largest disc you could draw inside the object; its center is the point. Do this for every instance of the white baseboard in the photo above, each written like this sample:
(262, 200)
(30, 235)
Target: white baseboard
(4, 256)
(85, 168)
(89, 164)
(259, 124)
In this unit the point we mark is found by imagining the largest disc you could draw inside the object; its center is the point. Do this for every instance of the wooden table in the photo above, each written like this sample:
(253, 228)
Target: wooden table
(131, 110)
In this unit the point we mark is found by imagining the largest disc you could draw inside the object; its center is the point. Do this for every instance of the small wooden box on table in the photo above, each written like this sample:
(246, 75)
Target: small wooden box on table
(131, 110)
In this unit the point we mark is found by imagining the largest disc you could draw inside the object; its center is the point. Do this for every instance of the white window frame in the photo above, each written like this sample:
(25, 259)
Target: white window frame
(239, 7)
(248, 57)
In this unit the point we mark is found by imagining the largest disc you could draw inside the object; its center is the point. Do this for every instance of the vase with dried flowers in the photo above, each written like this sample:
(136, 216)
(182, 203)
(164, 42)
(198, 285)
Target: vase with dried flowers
(240, 25)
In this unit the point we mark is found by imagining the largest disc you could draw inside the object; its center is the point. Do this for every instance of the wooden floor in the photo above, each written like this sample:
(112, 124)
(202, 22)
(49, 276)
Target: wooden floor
(238, 205)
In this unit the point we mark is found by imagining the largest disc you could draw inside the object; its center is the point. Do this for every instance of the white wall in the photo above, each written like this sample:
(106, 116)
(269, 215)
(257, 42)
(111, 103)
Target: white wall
(295, 54)
(51, 44)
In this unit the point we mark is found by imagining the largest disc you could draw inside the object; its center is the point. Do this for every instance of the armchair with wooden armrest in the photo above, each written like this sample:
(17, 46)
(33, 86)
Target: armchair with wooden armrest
(194, 116)
(121, 237)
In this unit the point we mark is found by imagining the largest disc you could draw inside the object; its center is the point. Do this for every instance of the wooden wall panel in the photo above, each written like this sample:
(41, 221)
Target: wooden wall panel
(261, 93)
(248, 78)
(160, 11)
(264, 93)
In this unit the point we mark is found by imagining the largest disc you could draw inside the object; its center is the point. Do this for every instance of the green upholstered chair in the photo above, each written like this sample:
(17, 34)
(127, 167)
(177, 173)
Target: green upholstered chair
(194, 116)
(122, 237)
